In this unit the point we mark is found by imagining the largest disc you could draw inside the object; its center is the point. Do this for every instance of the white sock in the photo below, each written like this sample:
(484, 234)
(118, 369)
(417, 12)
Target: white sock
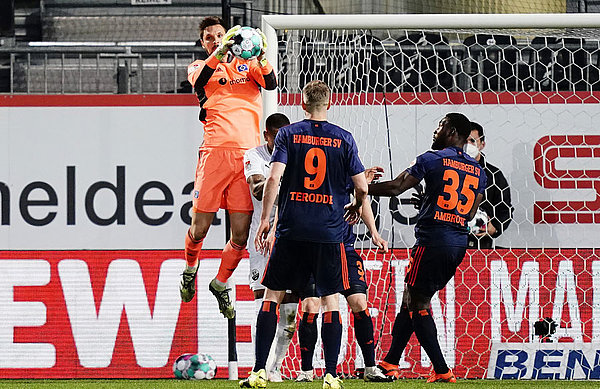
(218, 284)
(190, 269)
(285, 332)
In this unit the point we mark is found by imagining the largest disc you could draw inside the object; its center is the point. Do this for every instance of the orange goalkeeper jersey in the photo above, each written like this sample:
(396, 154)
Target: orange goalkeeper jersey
(232, 104)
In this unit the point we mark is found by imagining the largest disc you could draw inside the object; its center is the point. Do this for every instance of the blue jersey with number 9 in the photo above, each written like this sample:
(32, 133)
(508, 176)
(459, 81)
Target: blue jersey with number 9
(320, 157)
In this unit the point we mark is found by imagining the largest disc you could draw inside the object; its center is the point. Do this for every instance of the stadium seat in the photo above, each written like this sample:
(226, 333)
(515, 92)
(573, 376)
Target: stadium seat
(424, 63)
(491, 62)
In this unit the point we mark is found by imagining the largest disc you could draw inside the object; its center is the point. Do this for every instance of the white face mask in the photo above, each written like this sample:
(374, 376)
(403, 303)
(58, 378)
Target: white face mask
(471, 149)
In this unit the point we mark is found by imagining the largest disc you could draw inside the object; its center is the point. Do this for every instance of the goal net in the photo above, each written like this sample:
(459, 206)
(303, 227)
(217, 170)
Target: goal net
(532, 82)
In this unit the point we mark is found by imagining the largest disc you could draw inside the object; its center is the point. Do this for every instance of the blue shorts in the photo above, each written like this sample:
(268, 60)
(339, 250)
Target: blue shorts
(292, 263)
(356, 277)
(430, 268)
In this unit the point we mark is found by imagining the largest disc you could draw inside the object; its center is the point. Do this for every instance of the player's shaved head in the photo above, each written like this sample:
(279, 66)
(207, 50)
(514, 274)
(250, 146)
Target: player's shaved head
(460, 123)
(275, 121)
(315, 95)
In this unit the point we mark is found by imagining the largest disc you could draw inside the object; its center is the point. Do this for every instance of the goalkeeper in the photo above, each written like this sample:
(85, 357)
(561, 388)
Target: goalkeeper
(229, 93)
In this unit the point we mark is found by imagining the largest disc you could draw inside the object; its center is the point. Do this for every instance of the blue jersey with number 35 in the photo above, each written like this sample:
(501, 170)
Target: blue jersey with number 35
(452, 182)
(320, 157)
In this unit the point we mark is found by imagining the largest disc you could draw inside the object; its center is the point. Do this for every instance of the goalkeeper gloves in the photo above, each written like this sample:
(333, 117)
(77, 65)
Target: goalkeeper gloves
(262, 58)
(226, 43)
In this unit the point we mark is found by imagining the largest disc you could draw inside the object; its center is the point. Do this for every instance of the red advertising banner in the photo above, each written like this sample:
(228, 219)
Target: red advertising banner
(100, 314)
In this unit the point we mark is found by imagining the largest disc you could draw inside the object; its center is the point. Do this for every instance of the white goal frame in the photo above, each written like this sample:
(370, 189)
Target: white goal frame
(271, 23)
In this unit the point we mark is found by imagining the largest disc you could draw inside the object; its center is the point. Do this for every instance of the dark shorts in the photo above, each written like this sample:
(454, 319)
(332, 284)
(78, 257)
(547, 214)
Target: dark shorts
(356, 277)
(431, 268)
(292, 263)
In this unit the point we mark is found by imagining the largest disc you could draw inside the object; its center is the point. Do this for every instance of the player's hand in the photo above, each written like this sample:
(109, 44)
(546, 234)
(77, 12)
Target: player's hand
(489, 230)
(381, 243)
(261, 235)
(417, 200)
(226, 43)
(373, 173)
(262, 57)
(269, 243)
(352, 214)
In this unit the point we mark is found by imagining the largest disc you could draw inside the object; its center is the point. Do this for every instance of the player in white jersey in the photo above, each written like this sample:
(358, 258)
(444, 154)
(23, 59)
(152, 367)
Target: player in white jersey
(256, 169)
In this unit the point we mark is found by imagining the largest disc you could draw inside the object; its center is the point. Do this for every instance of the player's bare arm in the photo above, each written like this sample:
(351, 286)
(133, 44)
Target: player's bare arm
(397, 186)
(257, 184)
(271, 236)
(369, 219)
(354, 209)
(269, 196)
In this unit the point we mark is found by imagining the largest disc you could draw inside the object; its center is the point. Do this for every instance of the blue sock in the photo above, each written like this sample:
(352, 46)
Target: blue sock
(401, 333)
(426, 332)
(331, 334)
(266, 324)
(307, 337)
(363, 330)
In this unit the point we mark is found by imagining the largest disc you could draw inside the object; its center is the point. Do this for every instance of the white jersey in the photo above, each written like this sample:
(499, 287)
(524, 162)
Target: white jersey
(257, 161)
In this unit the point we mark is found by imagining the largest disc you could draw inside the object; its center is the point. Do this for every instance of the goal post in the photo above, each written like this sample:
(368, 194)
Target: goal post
(533, 82)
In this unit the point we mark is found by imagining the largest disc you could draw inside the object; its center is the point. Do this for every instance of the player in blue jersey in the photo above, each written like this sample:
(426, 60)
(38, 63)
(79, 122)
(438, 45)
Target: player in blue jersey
(454, 186)
(356, 296)
(313, 159)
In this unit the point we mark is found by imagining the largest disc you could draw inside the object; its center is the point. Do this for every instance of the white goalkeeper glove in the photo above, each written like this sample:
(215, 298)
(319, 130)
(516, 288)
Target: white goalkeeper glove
(262, 58)
(226, 43)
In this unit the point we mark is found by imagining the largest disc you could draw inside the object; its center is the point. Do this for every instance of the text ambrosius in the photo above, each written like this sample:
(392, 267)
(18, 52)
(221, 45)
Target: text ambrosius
(449, 217)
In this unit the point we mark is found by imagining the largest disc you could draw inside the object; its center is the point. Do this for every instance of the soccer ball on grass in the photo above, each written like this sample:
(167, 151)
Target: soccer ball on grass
(195, 367)
(247, 43)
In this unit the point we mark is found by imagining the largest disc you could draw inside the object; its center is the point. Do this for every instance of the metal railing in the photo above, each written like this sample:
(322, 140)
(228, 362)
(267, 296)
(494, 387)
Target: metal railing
(397, 67)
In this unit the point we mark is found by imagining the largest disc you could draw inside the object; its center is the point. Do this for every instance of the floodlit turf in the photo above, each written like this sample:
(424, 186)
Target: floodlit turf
(348, 384)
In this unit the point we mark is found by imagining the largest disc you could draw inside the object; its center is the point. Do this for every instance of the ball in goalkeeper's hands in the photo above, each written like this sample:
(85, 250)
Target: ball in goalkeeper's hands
(247, 43)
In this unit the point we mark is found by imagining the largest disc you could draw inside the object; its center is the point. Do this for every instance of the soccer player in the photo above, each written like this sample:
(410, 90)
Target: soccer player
(356, 296)
(313, 159)
(256, 169)
(454, 188)
(228, 90)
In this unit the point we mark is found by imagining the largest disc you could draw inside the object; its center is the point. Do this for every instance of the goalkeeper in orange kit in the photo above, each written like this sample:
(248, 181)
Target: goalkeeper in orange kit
(229, 93)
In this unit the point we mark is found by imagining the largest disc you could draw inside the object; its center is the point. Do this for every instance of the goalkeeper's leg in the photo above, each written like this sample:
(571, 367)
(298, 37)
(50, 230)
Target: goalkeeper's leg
(201, 222)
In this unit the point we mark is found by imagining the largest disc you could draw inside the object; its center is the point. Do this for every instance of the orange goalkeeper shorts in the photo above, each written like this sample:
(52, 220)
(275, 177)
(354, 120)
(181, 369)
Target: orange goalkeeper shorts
(220, 181)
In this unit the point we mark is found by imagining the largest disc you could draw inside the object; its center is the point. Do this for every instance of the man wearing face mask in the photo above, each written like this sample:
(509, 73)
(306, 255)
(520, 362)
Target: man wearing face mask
(496, 201)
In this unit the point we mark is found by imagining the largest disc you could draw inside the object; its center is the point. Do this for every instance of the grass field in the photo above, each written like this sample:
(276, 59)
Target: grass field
(348, 384)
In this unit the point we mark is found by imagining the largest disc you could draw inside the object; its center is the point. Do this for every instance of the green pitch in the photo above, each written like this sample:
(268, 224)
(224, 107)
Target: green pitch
(348, 384)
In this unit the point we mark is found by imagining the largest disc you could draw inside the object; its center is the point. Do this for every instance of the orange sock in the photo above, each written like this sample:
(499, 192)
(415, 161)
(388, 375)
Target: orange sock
(192, 248)
(230, 258)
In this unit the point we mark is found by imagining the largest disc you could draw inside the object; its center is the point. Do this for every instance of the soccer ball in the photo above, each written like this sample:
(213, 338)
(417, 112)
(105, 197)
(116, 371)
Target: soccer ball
(247, 43)
(195, 367)
(479, 222)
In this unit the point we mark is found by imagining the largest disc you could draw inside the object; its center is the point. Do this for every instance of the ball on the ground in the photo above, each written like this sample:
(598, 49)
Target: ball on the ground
(247, 43)
(479, 222)
(195, 367)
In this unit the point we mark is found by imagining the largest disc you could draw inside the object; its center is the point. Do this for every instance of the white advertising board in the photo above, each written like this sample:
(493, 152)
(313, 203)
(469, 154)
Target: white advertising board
(115, 175)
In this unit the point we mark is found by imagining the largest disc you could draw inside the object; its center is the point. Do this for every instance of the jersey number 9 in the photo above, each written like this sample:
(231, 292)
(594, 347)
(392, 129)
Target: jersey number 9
(318, 170)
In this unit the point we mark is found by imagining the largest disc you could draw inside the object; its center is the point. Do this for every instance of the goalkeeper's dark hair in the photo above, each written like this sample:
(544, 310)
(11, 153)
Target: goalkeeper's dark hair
(460, 123)
(210, 21)
(477, 127)
(275, 121)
